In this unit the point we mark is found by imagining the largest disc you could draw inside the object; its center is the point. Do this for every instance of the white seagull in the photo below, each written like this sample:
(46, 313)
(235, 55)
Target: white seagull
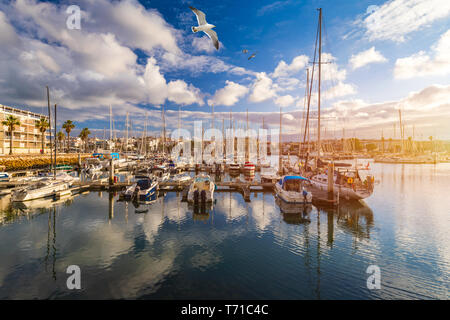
(205, 27)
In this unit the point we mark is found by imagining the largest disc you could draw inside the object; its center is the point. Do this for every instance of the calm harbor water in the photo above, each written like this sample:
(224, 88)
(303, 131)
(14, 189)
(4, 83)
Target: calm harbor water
(235, 250)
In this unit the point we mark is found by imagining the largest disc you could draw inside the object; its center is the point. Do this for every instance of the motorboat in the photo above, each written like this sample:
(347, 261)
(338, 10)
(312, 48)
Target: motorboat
(41, 189)
(142, 190)
(291, 189)
(201, 189)
(93, 165)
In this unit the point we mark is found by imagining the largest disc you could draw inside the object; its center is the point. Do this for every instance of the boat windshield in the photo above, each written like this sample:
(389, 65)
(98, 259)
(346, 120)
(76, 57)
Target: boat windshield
(144, 184)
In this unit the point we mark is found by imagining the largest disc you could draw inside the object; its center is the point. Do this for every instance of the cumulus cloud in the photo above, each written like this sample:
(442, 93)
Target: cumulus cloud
(283, 69)
(366, 57)
(91, 68)
(397, 18)
(422, 64)
(228, 95)
(262, 89)
(285, 101)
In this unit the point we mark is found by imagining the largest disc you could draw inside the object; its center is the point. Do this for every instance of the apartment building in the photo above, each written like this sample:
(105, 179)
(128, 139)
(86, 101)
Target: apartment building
(26, 137)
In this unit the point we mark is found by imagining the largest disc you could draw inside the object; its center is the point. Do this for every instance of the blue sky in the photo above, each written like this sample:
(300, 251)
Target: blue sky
(140, 55)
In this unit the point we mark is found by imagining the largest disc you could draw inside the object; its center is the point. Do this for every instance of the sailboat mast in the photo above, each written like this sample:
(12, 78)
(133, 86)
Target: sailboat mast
(164, 130)
(50, 126)
(320, 70)
(126, 136)
(280, 151)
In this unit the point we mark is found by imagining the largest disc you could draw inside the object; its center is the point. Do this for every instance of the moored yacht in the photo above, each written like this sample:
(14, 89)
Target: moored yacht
(348, 183)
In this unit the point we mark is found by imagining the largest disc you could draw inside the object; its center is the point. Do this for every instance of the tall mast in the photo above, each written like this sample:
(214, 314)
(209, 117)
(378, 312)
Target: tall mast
(50, 126)
(280, 151)
(110, 127)
(126, 137)
(54, 168)
(320, 70)
(164, 130)
(247, 144)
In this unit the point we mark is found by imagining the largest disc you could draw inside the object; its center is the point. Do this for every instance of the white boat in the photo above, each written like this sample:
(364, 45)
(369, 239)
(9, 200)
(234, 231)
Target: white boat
(92, 165)
(291, 189)
(347, 183)
(201, 189)
(41, 189)
(269, 175)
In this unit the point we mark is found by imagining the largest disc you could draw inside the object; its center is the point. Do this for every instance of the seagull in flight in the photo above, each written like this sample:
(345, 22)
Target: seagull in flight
(205, 27)
(245, 51)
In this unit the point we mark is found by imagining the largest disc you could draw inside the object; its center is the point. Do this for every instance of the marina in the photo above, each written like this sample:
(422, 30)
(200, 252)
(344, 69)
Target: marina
(279, 150)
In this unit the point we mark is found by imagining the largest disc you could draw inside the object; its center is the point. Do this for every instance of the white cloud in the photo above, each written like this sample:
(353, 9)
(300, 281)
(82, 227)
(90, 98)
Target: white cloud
(204, 44)
(422, 64)
(283, 69)
(262, 89)
(397, 18)
(229, 95)
(366, 57)
(285, 101)
(176, 91)
(339, 90)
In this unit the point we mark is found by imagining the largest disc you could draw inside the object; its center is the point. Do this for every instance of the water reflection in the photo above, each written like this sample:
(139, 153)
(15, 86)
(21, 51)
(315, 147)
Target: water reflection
(261, 249)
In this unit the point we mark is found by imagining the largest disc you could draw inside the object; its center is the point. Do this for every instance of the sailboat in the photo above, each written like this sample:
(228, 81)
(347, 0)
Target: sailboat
(347, 183)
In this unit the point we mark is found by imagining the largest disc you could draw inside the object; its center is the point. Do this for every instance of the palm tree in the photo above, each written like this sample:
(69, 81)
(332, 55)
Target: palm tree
(84, 135)
(42, 125)
(11, 122)
(60, 136)
(68, 126)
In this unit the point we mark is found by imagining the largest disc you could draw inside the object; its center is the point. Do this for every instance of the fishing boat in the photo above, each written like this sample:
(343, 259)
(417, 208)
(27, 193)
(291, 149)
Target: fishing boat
(201, 189)
(348, 183)
(249, 168)
(41, 189)
(142, 190)
(291, 189)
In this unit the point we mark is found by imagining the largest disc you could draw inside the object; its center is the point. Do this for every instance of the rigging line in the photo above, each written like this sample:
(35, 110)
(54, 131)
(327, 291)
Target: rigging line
(310, 88)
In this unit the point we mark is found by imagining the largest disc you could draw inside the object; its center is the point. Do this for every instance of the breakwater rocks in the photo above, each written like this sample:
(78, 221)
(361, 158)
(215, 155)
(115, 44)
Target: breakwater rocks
(21, 162)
